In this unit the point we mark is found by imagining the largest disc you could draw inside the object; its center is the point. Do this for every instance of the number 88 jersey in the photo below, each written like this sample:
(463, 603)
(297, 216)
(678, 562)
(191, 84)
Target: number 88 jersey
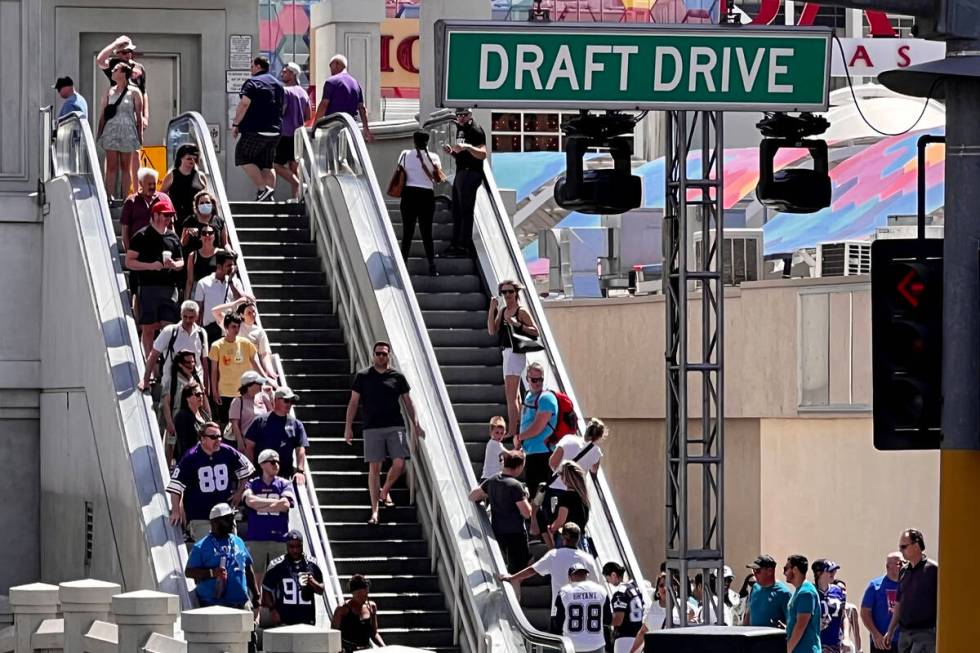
(583, 609)
(205, 480)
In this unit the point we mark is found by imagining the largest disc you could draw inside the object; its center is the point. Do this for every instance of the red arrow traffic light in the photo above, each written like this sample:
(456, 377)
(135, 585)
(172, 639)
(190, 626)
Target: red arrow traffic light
(911, 288)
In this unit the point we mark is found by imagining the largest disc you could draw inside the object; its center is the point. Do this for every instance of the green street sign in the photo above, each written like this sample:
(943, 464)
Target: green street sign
(669, 67)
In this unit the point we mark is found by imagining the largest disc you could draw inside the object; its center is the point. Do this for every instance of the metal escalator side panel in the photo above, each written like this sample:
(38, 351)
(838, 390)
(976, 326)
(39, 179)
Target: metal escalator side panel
(81, 252)
(376, 301)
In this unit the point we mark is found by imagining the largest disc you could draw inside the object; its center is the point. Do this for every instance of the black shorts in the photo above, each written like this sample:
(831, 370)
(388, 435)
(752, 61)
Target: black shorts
(158, 304)
(285, 151)
(257, 150)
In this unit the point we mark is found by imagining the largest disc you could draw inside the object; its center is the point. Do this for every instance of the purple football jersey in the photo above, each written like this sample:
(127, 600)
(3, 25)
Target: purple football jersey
(205, 480)
(269, 526)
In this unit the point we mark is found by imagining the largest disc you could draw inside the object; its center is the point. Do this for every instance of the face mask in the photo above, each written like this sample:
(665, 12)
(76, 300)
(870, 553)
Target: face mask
(205, 209)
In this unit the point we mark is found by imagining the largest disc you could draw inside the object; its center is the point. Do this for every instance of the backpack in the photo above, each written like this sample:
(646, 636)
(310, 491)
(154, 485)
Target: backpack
(567, 422)
(170, 348)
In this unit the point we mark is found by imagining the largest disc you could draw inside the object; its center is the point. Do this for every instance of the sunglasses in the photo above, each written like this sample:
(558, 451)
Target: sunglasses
(212, 437)
(207, 233)
(198, 394)
(535, 379)
(272, 462)
(380, 353)
(510, 291)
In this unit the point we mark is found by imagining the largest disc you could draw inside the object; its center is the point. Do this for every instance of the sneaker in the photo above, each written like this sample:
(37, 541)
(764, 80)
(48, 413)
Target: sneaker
(267, 195)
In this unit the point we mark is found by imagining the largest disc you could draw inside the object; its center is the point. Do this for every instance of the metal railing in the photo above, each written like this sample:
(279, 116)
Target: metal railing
(501, 258)
(190, 127)
(374, 298)
(70, 152)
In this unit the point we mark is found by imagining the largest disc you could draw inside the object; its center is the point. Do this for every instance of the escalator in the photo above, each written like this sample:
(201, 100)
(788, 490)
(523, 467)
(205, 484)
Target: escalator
(294, 301)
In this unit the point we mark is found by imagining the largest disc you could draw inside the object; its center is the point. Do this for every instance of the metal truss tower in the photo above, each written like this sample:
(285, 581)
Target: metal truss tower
(695, 443)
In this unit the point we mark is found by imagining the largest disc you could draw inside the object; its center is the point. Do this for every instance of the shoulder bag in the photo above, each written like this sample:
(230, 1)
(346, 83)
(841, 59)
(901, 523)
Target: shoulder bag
(397, 183)
(543, 487)
(521, 343)
(110, 110)
(437, 176)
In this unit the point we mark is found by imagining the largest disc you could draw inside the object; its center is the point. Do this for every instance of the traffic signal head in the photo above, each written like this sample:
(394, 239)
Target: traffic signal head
(906, 324)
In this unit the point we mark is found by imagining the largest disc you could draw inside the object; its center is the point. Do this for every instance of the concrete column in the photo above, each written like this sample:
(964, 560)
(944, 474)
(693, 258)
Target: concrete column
(82, 602)
(301, 639)
(32, 604)
(140, 614)
(431, 11)
(352, 29)
(217, 630)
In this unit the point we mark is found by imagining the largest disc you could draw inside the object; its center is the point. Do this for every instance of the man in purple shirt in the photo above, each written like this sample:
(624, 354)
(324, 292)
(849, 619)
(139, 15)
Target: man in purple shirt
(268, 499)
(208, 474)
(342, 94)
(295, 112)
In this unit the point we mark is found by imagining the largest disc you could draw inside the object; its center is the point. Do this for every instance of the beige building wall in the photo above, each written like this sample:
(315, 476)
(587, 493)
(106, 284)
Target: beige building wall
(801, 473)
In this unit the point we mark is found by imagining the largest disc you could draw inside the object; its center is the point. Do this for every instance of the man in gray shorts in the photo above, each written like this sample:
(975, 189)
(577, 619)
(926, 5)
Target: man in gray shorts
(382, 389)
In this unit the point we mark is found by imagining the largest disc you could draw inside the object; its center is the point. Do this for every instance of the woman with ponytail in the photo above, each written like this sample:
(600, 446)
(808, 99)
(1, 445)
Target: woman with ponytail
(423, 171)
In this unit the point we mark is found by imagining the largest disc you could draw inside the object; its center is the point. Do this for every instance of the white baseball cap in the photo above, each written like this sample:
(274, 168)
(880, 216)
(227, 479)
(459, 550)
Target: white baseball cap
(293, 66)
(267, 455)
(221, 510)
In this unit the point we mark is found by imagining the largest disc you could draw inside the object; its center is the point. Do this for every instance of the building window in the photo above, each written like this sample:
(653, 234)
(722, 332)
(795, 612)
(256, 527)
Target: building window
(530, 132)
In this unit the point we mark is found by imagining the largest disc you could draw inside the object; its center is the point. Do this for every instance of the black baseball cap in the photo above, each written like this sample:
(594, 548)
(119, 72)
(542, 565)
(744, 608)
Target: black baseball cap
(62, 82)
(763, 562)
(294, 535)
(823, 564)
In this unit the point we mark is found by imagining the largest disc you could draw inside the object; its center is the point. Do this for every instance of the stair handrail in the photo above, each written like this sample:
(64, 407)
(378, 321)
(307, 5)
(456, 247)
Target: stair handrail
(190, 127)
(338, 156)
(501, 258)
(70, 151)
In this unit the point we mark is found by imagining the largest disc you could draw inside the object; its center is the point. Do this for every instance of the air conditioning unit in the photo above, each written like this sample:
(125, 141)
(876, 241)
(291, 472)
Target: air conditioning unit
(844, 259)
(742, 260)
(908, 231)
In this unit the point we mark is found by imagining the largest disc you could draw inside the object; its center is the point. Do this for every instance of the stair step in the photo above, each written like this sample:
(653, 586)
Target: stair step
(274, 320)
(454, 319)
(321, 381)
(447, 283)
(374, 547)
(270, 221)
(322, 336)
(477, 412)
(447, 266)
(317, 397)
(330, 429)
(462, 338)
(288, 277)
(473, 301)
(407, 600)
(355, 495)
(467, 356)
(405, 515)
(384, 564)
(362, 531)
(313, 411)
(343, 462)
(250, 249)
(266, 208)
(295, 306)
(417, 637)
(477, 432)
(273, 234)
(476, 394)
(336, 446)
(278, 261)
(441, 231)
(315, 365)
(290, 291)
(471, 374)
(407, 618)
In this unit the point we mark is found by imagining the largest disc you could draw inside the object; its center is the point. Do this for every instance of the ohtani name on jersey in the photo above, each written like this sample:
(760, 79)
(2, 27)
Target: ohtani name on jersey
(585, 596)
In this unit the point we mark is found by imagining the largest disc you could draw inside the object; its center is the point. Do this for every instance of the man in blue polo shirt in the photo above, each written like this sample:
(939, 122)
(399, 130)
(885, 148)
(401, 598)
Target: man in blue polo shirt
(221, 565)
(282, 433)
(73, 100)
(539, 416)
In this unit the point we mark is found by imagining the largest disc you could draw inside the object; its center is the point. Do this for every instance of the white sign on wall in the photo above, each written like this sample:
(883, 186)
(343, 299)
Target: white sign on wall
(234, 80)
(240, 51)
(867, 57)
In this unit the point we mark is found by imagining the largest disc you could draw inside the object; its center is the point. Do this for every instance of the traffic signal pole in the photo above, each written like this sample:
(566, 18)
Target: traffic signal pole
(959, 484)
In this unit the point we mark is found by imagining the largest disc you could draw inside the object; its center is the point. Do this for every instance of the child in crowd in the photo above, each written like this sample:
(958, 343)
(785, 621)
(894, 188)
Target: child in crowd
(495, 447)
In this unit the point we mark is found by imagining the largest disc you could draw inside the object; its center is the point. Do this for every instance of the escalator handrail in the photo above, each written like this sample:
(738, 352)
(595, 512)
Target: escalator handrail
(316, 541)
(461, 471)
(73, 126)
(501, 228)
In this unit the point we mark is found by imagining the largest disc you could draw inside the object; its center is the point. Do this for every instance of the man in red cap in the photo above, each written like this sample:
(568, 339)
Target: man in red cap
(154, 255)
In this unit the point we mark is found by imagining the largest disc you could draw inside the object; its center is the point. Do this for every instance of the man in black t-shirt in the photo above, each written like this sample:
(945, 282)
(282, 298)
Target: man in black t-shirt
(154, 255)
(509, 509)
(258, 122)
(469, 151)
(382, 389)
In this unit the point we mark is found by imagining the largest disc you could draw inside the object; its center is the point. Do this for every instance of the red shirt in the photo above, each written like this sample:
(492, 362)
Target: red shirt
(136, 212)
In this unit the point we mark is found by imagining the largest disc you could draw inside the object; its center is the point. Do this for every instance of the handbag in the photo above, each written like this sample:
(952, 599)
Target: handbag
(521, 343)
(397, 183)
(437, 176)
(542, 488)
(110, 111)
